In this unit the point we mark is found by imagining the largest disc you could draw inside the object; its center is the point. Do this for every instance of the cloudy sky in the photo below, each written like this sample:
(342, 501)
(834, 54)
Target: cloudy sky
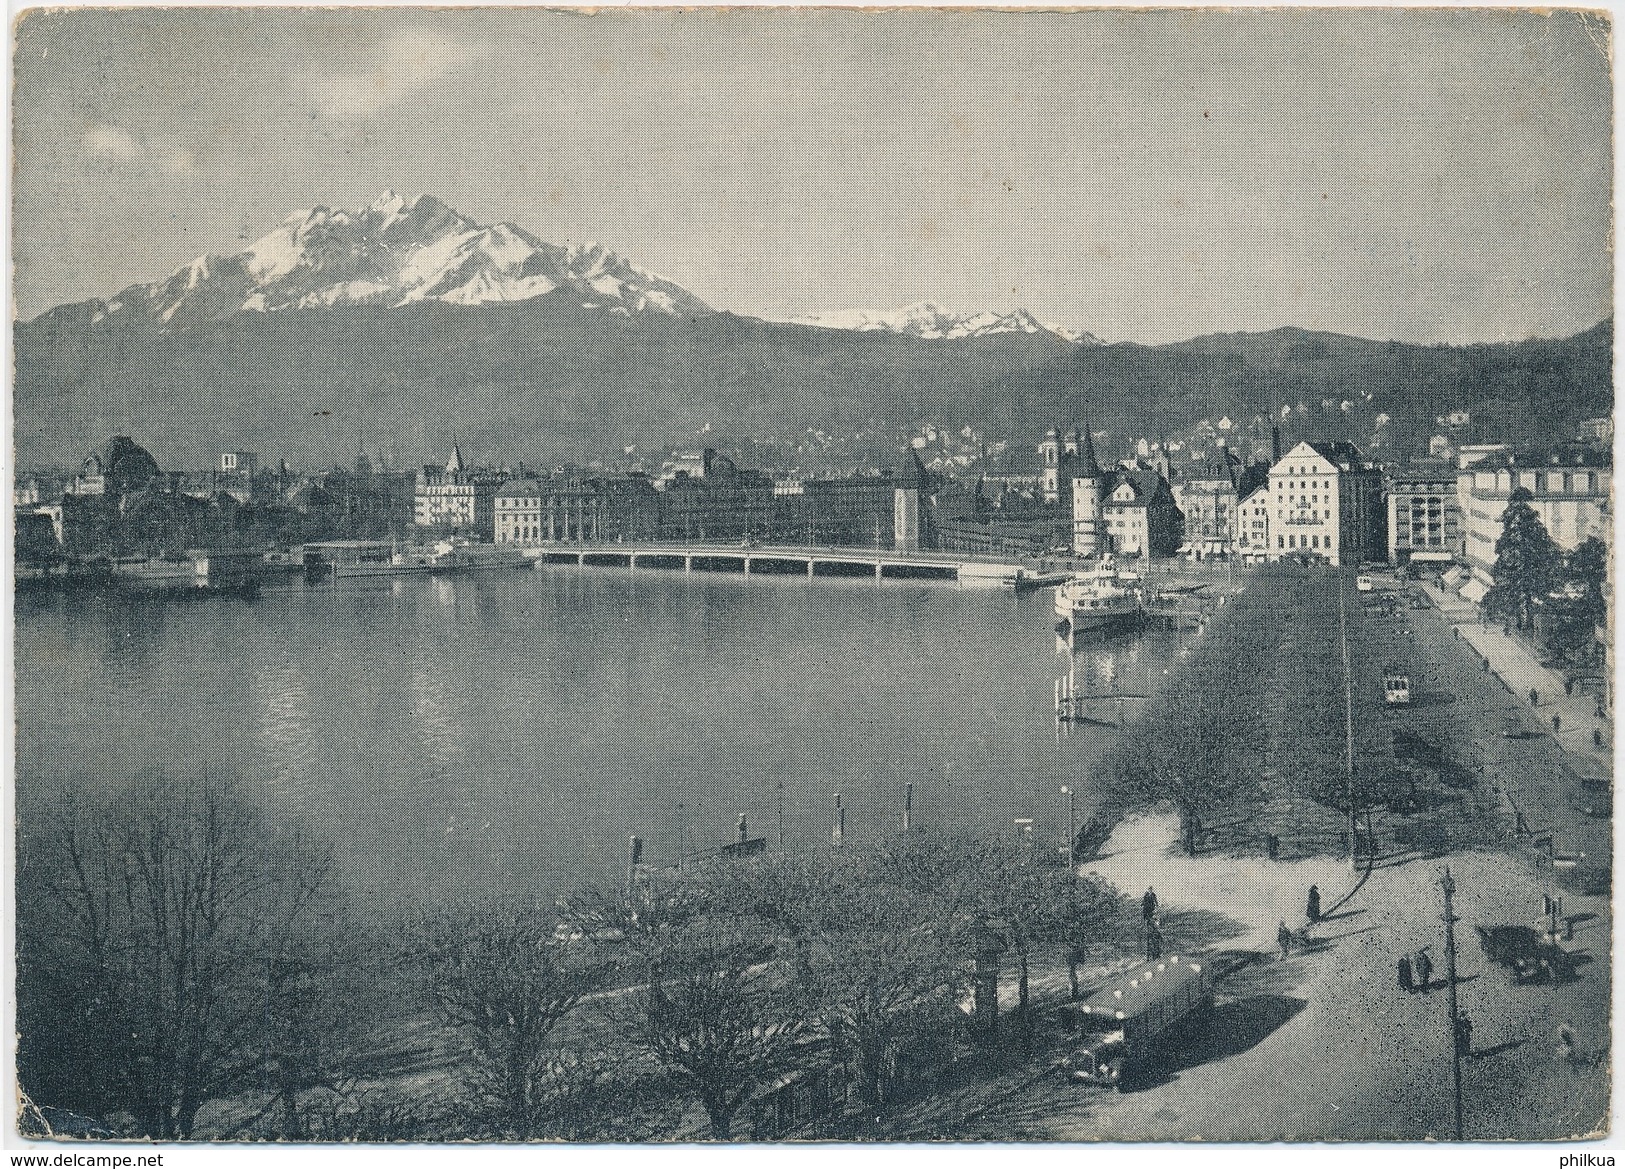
(1420, 176)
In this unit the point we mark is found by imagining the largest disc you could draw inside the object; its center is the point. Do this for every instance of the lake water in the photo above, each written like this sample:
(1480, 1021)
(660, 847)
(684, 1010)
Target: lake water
(454, 736)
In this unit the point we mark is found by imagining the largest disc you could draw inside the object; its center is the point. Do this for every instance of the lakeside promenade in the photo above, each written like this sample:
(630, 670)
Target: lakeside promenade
(1512, 660)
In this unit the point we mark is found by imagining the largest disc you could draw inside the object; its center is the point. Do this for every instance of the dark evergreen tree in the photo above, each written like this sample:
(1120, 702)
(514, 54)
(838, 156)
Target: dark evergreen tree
(1527, 563)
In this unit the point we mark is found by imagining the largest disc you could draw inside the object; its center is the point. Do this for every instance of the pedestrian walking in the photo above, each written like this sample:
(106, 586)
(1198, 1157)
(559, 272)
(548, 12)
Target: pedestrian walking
(1148, 904)
(1405, 983)
(1423, 966)
(1534, 697)
(1568, 686)
(1313, 906)
(1272, 843)
(1567, 1051)
(1283, 938)
(1557, 723)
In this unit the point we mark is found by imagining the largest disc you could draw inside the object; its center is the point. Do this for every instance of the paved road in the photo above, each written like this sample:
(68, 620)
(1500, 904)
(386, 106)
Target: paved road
(1324, 1045)
(1511, 660)
(1543, 776)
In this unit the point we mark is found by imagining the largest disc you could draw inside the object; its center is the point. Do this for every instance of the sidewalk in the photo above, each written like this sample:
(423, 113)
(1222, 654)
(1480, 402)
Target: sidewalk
(1516, 666)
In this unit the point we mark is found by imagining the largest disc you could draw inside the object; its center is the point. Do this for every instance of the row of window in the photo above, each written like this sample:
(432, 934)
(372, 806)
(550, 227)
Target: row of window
(1579, 482)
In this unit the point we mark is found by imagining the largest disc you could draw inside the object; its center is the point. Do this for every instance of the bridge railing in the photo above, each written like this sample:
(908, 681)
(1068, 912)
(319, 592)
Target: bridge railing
(719, 548)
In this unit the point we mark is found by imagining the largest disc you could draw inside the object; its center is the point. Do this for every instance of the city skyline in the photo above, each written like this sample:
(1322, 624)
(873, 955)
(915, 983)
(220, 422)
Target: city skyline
(1441, 176)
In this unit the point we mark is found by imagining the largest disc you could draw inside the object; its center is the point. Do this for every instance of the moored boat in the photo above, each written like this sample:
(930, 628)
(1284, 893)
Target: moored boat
(334, 559)
(1099, 597)
(467, 556)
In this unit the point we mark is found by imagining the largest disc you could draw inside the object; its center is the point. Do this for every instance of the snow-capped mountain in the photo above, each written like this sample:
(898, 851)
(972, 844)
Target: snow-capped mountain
(929, 320)
(394, 252)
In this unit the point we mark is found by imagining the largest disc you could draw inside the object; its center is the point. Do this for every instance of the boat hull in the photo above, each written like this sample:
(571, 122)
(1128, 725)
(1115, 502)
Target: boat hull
(1084, 620)
(355, 570)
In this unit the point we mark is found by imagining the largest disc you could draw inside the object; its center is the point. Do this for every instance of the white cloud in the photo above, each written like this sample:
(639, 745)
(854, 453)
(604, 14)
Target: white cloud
(115, 144)
(402, 65)
(174, 160)
(111, 142)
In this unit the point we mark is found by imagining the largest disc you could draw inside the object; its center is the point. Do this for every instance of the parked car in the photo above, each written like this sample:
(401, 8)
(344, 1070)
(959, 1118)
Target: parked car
(1513, 727)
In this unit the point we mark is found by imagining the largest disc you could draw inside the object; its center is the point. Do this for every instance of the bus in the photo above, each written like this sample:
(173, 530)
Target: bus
(1131, 1016)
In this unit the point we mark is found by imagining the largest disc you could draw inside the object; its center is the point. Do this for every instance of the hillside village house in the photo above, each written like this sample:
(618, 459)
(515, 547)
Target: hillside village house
(1326, 504)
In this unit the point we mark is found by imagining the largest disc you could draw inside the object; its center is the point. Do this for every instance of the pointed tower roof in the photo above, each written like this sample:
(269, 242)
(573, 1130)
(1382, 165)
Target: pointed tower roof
(914, 473)
(455, 463)
(1089, 466)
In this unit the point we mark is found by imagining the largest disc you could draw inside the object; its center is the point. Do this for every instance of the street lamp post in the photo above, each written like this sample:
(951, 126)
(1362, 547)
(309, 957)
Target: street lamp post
(1071, 827)
(1449, 886)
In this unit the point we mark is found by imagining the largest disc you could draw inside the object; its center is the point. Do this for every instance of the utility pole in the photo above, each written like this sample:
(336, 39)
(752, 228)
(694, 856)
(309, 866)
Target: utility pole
(1348, 717)
(1449, 887)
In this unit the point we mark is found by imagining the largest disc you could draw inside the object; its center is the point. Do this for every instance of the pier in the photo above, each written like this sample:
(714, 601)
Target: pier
(789, 560)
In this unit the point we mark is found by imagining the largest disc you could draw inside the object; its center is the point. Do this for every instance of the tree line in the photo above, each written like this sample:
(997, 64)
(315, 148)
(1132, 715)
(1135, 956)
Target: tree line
(188, 968)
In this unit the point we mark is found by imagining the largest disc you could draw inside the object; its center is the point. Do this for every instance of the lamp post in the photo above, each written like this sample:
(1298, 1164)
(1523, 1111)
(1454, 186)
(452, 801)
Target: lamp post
(1348, 720)
(1071, 827)
(1447, 884)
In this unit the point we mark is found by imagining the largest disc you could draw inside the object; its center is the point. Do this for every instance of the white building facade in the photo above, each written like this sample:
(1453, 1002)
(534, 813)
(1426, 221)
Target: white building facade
(1572, 494)
(1326, 504)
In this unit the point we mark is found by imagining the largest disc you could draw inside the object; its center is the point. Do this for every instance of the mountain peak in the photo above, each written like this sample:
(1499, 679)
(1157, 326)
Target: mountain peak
(928, 320)
(395, 251)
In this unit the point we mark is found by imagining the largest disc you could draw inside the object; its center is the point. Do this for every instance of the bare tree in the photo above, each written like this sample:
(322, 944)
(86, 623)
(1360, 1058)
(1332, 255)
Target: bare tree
(1080, 913)
(717, 1013)
(503, 979)
(880, 985)
(189, 924)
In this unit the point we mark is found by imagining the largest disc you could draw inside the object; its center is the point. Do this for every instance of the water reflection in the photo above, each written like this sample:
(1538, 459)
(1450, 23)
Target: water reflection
(509, 731)
(287, 738)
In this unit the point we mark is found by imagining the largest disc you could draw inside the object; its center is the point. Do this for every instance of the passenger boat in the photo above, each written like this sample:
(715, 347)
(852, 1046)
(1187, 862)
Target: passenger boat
(1099, 597)
(355, 558)
(467, 556)
(193, 573)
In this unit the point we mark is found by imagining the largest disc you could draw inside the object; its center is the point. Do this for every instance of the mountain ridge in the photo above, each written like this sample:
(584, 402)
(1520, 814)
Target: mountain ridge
(396, 252)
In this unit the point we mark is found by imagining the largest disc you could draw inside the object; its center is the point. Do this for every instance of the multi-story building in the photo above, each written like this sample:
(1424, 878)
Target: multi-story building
(457, 497)
(1253, 524)
(1424, 519)
(1571, 490)
(563, 506)
(1326, 504)
(1209, 496)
